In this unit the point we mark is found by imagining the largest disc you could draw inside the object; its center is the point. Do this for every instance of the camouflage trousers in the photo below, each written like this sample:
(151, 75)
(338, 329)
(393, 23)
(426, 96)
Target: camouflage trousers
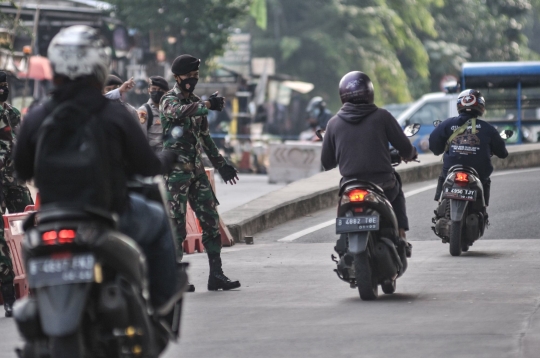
(184, 187)
(15, 197)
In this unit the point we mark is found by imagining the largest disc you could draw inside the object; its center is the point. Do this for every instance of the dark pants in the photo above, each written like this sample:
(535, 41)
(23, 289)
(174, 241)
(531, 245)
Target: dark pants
(146, 223)
(486, 184)
(397, 199)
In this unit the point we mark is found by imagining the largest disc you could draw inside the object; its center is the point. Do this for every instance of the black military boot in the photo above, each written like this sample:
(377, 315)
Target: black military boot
(217, 280)
(8, 295)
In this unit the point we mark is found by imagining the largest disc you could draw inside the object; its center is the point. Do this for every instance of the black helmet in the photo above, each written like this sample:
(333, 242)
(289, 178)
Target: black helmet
(356, 87)
(471, 101)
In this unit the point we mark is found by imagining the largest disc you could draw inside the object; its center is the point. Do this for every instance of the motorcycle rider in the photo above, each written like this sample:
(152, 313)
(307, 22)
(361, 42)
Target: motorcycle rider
(357, 138)
(465, 145)
(80, 79)
(186, 132)
(149, 112)
(317, 116)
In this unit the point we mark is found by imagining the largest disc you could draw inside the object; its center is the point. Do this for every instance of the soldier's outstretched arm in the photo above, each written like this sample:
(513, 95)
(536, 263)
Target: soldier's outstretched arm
(178, 113)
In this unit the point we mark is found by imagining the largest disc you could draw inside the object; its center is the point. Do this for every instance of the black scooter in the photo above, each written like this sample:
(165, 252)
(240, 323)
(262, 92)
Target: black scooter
(370, 253)
(88, 288)
(461, 217)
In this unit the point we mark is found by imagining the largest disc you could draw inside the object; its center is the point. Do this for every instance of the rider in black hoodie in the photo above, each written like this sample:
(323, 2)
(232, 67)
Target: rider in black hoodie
(357, 140)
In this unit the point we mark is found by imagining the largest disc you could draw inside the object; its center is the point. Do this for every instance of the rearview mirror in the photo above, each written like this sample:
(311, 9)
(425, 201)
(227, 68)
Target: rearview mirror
(506, 134)
(320, 133)
(411, 129)
(437, 122)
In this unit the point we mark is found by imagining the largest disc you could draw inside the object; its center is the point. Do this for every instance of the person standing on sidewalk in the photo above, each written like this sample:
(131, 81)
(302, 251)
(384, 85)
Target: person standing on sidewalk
(186, 131)
(149, 112)
(15, 193)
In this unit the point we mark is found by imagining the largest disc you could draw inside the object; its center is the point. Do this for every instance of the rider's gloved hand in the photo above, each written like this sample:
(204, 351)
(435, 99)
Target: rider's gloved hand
(167, 158)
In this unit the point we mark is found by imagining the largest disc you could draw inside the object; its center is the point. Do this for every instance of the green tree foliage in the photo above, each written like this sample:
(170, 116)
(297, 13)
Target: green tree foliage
(321, 40)
(200, 27)
(478, 30)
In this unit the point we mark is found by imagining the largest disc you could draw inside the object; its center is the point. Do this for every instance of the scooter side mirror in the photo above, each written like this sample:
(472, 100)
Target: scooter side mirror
(411, 129)
(437, 122)
(320, 133)
(506, 134)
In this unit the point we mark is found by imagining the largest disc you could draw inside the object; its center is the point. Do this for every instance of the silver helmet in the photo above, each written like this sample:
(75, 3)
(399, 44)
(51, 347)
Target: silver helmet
(78, 51)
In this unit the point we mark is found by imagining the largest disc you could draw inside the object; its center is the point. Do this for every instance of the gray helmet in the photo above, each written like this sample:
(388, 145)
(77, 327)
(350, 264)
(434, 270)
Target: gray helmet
(78, 51)
(315, 107)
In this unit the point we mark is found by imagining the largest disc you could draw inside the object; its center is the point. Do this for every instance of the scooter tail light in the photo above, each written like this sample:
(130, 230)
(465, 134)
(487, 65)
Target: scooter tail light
(461, 177)
(66, 236)
(49, 237)
(357, 195)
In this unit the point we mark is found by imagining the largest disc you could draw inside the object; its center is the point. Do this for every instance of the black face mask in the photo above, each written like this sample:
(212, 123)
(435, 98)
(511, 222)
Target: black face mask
(188, 85)
(4, 96)
(156, 96)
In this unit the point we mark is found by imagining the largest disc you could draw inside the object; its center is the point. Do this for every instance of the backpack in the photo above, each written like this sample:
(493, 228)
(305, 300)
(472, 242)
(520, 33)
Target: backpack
(71, 166)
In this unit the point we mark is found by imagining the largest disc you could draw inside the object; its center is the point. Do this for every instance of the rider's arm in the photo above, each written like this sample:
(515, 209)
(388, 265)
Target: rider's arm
(328, 155)
(398, 139)
(498, 146)
(437, 139)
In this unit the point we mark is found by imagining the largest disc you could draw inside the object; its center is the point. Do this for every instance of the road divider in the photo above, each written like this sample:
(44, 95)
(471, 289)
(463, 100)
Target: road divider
(320, 191)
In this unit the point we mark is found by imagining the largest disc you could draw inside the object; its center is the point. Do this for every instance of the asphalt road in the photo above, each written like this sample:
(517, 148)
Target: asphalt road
(482, 304)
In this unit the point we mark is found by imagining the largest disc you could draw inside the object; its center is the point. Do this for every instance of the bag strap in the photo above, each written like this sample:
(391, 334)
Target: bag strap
(460, 131)
(150, 115)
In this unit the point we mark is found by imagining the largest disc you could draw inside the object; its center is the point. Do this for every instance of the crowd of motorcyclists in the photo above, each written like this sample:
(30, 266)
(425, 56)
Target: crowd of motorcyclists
(167, 135)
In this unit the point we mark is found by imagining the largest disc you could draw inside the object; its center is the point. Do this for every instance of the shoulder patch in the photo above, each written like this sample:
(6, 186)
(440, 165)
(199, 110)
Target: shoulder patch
(143, 116)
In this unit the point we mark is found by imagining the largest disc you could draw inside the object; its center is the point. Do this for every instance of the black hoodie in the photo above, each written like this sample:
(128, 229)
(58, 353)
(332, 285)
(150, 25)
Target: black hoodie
(357, 140)
(129, 151)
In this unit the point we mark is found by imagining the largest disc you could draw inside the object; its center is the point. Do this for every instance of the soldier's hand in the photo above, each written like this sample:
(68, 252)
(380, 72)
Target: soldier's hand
(216, 103)
(127, 86)
(228, 174)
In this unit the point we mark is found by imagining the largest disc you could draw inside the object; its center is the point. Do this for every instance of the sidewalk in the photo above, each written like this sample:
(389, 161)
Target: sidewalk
(248, 188)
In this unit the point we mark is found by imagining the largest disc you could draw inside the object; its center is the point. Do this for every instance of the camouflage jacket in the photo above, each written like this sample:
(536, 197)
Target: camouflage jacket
(10, 118)
(190, 116)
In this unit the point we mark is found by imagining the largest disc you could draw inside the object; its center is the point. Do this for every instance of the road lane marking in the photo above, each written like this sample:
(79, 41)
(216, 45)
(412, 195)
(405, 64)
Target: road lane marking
(410, 193)
(328, 223)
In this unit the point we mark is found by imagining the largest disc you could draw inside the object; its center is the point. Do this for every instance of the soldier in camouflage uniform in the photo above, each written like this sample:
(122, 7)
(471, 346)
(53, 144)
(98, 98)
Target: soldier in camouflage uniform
(186, 131)
(15, 193)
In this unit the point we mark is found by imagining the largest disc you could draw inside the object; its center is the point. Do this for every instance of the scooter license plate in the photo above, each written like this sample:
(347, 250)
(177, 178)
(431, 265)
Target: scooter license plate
(60, 270)
(460, 194)
(357, 223)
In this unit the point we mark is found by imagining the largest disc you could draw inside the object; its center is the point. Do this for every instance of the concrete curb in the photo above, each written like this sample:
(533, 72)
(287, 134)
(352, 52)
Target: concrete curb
(320, 192)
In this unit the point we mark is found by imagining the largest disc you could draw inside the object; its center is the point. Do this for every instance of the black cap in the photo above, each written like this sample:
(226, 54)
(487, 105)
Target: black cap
(3, 76)
(159, 82)
(185, 64)
(113, 80)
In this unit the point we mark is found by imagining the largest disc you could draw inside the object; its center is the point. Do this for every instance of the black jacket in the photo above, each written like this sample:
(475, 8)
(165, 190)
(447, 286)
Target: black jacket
(469, 150)
(129, 154)
(357, 140)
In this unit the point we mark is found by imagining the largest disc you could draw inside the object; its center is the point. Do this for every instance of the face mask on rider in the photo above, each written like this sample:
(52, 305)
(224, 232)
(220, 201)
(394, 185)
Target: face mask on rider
(155, 96)
(4, 92)
(188, 85)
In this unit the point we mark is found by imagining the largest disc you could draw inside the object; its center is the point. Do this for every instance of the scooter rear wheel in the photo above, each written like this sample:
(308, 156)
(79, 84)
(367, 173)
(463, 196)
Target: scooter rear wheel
(455, 237)
(367, 284)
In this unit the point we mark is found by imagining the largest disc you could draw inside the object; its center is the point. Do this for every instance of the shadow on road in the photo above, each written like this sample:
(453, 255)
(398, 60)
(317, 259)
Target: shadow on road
(396, 297)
